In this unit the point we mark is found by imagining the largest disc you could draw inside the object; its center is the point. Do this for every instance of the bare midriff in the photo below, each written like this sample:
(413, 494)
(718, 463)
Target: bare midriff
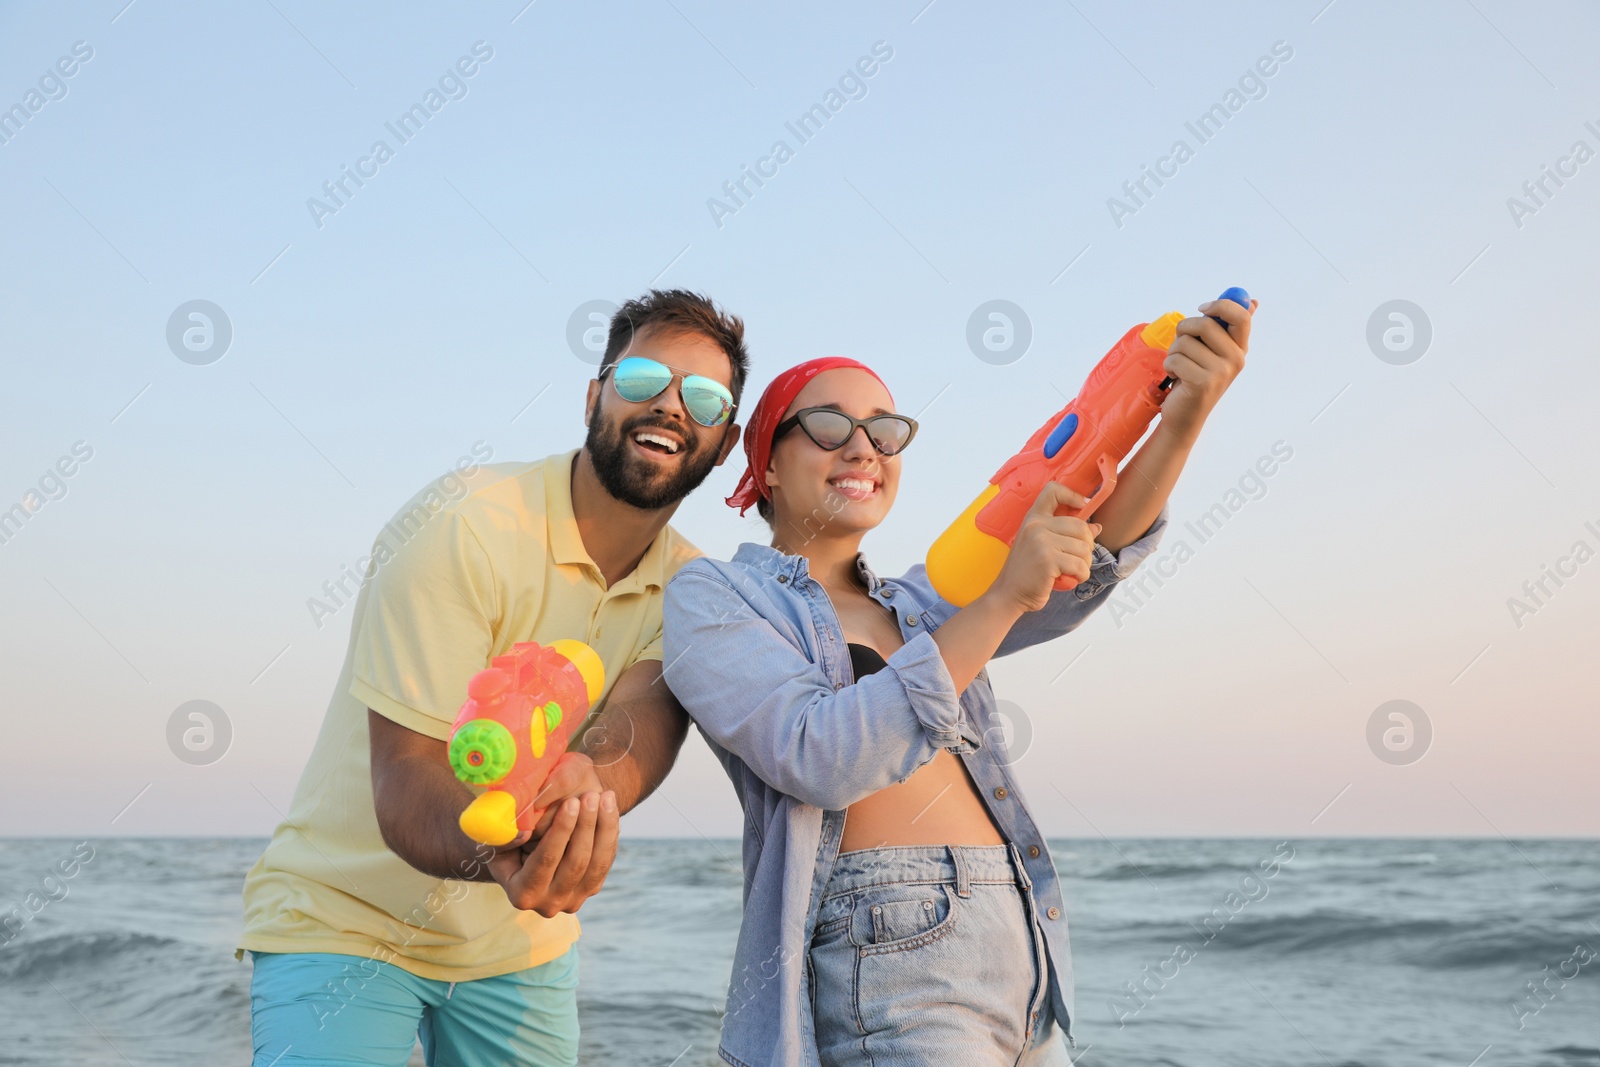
(938, 804)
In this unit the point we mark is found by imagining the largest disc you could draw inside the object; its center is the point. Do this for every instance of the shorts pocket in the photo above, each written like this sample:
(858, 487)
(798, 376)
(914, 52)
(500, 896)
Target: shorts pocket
(954, 992)
(902, 918)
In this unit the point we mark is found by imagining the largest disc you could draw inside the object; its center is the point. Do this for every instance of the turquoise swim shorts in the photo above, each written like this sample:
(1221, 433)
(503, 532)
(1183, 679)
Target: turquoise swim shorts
(323, 1008)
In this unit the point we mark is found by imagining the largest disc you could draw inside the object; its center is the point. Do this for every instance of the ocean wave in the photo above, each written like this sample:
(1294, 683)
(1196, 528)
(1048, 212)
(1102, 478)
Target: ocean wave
(1442, 944)
(1326, 929)
(1127, 872)
(47, 957)
(1311, 862)
(1132, 871)
(1527, 949)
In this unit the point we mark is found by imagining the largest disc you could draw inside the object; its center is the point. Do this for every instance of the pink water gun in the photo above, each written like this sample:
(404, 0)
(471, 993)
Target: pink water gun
(519, 715)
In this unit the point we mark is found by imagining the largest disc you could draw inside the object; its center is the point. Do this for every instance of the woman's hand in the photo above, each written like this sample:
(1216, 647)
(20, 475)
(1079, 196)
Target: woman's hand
(1205, 359)
(1047, 546)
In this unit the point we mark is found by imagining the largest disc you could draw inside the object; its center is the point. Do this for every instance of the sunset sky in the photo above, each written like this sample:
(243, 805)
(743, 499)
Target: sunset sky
(1417, 495)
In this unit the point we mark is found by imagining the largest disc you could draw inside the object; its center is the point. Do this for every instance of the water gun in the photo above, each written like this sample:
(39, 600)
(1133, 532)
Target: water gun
(519, 715)
(1080, 447)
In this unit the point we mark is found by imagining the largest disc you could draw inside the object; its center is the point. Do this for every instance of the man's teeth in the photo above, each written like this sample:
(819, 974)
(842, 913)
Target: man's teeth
(657, 439)
(854, 485)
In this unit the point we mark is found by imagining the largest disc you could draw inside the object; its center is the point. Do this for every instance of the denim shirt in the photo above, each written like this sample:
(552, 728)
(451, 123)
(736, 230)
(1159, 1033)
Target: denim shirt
(757, 656)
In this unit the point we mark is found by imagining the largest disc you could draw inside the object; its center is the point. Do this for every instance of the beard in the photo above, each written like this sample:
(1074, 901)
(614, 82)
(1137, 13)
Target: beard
(636, 481)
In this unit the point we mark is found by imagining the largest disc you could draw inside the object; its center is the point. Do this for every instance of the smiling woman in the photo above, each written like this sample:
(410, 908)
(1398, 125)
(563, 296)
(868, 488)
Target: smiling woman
(855, 719)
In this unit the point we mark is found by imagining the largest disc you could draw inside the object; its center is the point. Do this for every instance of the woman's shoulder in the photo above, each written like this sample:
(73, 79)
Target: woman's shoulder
(754, 569)
(699, 567)
(713, 592)
(726, 571)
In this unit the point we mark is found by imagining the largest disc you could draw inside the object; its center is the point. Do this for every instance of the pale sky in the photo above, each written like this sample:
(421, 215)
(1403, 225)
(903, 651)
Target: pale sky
(373, 345)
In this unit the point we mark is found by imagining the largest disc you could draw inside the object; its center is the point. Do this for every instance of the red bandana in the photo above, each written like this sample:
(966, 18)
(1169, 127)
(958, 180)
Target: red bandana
(764, 423)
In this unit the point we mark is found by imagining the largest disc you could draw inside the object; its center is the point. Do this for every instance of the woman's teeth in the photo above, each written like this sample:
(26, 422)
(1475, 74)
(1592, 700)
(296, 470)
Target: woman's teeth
(854, 487)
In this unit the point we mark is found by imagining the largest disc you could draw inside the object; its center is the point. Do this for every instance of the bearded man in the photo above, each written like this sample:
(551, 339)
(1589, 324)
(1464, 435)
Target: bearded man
(371, 919)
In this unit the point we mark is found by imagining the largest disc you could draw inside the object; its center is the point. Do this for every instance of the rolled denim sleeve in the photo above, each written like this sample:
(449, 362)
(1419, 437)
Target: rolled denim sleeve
(746, 682)
(1065, 611)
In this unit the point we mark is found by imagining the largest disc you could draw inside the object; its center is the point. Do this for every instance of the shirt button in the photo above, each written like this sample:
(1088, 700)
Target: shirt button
(783, 579)
(1033, 852)
(1054, 913)
(1001, 793)
(888, 593)
(838, 685)
(911, 620)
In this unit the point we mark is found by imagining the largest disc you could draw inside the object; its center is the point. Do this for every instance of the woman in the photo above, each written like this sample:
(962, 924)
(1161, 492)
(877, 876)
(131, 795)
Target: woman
(900, 904)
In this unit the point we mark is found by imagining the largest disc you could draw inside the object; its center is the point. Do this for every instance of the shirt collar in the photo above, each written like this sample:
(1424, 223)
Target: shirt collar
(566, 543)
(871, 580)
(770, 561)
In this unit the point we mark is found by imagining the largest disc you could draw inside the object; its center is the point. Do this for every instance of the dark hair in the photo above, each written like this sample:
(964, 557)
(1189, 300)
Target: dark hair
(679, 310)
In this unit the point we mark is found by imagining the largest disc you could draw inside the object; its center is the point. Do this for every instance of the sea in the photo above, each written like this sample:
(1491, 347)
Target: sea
(1319, 952)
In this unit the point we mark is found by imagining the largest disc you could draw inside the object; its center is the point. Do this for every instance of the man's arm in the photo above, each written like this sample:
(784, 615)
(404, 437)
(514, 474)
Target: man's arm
(628, 749)
(418, 799)
(636, 739)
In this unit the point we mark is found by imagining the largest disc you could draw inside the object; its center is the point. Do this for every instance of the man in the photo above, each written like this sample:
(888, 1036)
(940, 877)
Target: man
(371, 917)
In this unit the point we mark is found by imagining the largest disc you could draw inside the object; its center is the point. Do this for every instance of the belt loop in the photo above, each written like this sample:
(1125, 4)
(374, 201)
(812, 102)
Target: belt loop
(1021, 868)
(963, 877)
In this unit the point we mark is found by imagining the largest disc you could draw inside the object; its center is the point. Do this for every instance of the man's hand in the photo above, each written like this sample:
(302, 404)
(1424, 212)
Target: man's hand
(569, 863)
(418, 799)
(1205, 359)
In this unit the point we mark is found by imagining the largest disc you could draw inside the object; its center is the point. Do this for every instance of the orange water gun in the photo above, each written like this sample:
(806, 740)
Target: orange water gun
(520, 713)
(1080, 447)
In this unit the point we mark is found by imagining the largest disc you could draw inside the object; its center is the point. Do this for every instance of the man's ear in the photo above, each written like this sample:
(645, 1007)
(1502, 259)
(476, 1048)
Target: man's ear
(590, 399)
(729, 438)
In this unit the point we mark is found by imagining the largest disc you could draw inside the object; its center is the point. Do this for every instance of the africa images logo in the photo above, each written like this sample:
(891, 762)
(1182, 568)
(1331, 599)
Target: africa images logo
(452, 85)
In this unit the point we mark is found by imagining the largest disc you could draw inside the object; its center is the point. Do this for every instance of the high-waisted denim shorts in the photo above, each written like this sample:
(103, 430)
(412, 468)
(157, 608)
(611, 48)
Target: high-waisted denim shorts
(931, 955)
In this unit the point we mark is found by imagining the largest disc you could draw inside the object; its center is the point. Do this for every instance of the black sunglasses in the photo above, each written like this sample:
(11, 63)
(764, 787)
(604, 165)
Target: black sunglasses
(830, 428)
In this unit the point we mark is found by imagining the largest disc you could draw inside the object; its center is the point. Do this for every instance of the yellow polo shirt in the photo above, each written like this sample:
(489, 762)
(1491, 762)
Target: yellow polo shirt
(465, 570)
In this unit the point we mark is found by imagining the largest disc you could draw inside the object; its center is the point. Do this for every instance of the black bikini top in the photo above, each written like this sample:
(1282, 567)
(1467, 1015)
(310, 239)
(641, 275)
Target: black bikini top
(865, 660)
